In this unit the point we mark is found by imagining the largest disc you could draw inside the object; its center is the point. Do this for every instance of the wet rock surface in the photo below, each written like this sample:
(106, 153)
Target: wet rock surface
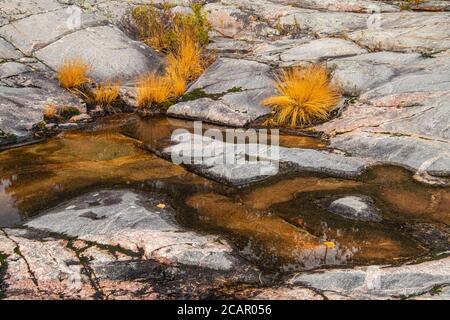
(105, 237)
(205, 154)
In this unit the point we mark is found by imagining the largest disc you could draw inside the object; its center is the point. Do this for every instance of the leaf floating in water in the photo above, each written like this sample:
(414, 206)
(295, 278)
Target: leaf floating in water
(329, 244)
(161, 205)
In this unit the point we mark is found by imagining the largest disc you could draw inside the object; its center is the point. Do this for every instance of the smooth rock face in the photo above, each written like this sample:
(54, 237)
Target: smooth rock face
(37, 31)
(375, 282)
(241, 85)
(405, 151)
(111, 53)
(7, 51)
(321, 49)
(127, 219)
(16, 9)
(407, 32)
(358, 74)
(226, 74)
(355, 208)
(227, 162)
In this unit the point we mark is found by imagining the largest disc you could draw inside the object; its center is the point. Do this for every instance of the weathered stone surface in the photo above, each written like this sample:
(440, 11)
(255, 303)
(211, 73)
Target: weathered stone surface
(7, 51)
(405, 123)
(407, 32)
(212, 111)
(21, 107)
(377, 282)
(323, 23)
(241, 86)
(422, 84)
(231, 21)
(355, 208)
(356, 75)
(41, 267)
(229, 46)
(270, 51)
(226, 74)
(9, 69)
(345, 5)
(16, 9)
(286, 293)
(416, 154)
(110, 52)
(129, 220)
(208, 155)
(37, 31)
(433, 5)
(321, 49)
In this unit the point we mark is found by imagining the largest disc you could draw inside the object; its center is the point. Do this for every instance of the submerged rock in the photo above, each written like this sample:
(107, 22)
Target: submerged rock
(355, 208)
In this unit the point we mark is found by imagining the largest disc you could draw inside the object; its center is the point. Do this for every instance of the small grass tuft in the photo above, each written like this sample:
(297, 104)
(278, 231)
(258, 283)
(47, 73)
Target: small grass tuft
(50, 112)
(73, 73)
(153, 89)
(305, 96)
(106, 93)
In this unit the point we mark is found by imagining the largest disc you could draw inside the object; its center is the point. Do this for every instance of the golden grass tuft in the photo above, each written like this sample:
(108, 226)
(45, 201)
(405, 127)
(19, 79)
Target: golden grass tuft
(305, 95)
(106, 93)
(177, 83)
(184, 65)
(186, 62)
(153, 89)
(50, 111)
(73, 73)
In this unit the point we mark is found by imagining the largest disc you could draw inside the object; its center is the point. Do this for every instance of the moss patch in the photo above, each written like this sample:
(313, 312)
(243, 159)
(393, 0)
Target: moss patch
(199, 93)
(68, 112)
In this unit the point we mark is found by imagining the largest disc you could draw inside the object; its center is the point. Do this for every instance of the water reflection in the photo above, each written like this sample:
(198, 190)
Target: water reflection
(9, 214)
(277, 223)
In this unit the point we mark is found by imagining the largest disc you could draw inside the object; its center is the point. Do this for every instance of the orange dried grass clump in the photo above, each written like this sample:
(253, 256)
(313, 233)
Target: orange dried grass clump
(153, 89)
(186, 62)
(50, 111)
(73, 73)
(305, 95)
(106, 93)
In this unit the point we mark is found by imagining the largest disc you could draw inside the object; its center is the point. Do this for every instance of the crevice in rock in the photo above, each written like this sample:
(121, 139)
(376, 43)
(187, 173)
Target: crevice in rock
(20, 254)
(87, 269)
(34, 14)
(3, 271)
(434, 290)
(65, 34)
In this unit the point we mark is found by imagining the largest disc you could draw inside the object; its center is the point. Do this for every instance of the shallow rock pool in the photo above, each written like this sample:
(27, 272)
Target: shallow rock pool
(295, 221)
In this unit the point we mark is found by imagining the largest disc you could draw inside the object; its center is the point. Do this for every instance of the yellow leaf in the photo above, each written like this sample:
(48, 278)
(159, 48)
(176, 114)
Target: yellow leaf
(329, 244)
(161, 205)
